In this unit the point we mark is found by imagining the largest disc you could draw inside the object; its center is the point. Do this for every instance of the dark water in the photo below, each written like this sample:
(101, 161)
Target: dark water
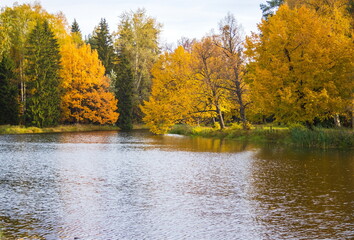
(108, 185)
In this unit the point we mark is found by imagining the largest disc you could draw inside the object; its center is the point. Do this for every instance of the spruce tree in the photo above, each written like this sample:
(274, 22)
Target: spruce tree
(137, 36)
(124, 93)
(76, 33)
(269, 8)
(101, 40)
(43, 64)
(75, 27)
(9, 107)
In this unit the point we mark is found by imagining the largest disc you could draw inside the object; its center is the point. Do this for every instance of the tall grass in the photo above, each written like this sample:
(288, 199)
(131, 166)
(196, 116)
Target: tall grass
(296, 136)
(322, 138)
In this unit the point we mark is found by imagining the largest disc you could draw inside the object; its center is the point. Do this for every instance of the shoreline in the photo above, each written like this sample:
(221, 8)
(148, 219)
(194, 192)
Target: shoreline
(19, 129)
(324, 138)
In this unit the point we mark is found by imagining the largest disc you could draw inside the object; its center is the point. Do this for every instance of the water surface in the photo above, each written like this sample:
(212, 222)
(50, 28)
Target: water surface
(109, 185)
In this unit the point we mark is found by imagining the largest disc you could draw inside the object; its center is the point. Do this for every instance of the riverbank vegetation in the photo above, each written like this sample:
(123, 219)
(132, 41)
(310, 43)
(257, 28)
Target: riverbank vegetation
(297, 69)
(8, 129)
(296, 135)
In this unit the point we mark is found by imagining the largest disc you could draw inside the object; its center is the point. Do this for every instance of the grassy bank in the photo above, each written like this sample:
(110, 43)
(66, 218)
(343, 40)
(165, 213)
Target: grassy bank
(8, 129)
(296, 136)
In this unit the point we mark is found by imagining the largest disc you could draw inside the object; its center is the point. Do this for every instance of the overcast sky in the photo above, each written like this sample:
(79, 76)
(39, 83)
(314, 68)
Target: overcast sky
(180, 18)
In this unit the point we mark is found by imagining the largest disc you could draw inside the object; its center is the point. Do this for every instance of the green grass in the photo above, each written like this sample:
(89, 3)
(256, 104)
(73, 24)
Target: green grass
(296, 135)
(8, 129)
(322, 138)
(140, 126)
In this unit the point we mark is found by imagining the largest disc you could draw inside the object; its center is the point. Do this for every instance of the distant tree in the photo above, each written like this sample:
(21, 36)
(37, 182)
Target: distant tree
(9, 108)
(186, 43)
(15, 25)
(209, 68)
(76, 33)
(350, 7)
(75, 27)
(86, 96)
(42, 70)
(270, 7)
(175, 92)
(124, 92)
(301, 66)
(230, 40)
(137, 36)
(101, 40)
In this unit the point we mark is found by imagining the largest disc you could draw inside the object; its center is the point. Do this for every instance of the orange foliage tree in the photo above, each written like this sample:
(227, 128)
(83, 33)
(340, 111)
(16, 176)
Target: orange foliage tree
(86, 97)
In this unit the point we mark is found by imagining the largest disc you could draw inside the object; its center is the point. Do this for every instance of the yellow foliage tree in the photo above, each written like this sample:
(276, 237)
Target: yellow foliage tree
(211, 71)
(188, 87)
(86, 96)
(300, 66)
(172, 90)
(15, 25)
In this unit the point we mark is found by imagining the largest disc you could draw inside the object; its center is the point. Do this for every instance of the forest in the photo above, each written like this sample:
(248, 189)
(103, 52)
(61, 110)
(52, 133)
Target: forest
(297, 69)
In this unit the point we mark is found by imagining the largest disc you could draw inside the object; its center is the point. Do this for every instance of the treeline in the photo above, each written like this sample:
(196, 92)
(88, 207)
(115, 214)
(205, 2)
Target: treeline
(297, 69)
(49, 74)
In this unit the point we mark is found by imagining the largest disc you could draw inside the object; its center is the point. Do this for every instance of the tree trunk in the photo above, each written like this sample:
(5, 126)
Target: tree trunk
(239, 95)
(23, 96)
(309, 125)
(337, 121)
(243, 117)
(221, 118)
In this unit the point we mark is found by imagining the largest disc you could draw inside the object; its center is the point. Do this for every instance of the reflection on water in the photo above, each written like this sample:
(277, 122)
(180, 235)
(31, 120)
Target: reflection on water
(312, 190)
(108, 185)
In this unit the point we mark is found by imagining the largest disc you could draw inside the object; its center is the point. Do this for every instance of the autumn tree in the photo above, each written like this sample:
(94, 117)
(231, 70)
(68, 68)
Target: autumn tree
(8, 93)
(101, 41)
(86, 98)
(229, 39)
(42, 69)
(321, 6)
(300, 66)
(210, 69)
(328, 7)
(173, 98)
(15, 25)
(137, 36)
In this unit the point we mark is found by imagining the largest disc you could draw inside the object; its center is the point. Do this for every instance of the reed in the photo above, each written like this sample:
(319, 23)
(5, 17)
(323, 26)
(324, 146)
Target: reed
(294, 135)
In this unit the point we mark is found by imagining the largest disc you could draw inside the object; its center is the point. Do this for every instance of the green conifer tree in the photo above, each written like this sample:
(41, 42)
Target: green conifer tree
(43, 64)
(101, 40)
(138, 36)
(269, 8)
(75, 27)
(76, 33)
(124, 93)
(9, 107)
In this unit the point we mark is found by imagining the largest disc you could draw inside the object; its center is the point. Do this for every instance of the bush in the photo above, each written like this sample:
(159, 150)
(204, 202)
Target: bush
(236, 126)
(182, 129)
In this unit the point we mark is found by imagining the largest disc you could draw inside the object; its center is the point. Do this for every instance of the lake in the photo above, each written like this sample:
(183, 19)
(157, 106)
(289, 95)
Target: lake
(120, 185)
